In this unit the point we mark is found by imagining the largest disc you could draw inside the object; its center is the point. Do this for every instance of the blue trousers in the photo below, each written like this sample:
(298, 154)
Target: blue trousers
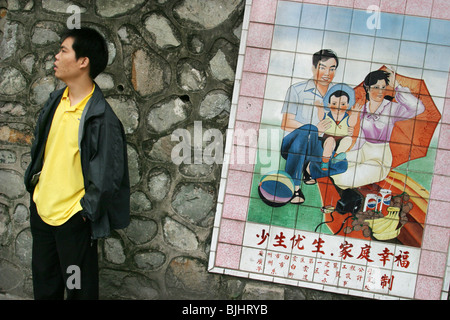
(302, 147)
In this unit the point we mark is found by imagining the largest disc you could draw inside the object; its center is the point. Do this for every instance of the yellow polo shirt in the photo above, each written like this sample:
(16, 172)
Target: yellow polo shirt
(61, 186)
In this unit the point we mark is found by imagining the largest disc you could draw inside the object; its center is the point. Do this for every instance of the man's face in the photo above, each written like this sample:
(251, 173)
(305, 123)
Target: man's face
(325, 71)
(67, 66)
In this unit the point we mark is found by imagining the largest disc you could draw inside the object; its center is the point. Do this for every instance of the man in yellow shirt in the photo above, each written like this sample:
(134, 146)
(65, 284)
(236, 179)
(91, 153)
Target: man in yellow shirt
(78, 176)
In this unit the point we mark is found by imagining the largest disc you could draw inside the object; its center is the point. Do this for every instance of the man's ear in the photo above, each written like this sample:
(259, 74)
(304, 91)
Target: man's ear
(84, 62)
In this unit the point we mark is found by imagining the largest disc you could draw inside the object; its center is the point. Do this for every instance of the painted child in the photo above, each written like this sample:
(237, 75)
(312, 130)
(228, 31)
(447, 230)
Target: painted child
(337, 139)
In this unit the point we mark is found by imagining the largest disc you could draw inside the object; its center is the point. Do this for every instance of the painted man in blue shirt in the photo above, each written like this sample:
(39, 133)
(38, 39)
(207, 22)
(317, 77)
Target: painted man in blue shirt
(301, 147)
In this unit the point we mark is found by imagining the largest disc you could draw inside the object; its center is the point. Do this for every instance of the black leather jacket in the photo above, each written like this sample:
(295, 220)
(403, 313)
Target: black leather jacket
(104, 162)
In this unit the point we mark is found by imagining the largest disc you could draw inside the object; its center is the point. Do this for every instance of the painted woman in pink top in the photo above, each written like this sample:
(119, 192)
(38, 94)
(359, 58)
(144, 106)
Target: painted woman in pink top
(370, 159)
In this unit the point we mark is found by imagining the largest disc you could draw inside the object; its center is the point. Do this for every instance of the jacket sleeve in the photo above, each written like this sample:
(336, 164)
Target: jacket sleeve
(104, 170)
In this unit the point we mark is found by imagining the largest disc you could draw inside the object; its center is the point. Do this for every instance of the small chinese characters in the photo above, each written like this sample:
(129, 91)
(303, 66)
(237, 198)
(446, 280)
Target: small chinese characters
(328, 259)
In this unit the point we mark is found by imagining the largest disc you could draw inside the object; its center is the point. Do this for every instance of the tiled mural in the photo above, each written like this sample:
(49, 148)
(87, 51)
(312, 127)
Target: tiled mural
(335, 173)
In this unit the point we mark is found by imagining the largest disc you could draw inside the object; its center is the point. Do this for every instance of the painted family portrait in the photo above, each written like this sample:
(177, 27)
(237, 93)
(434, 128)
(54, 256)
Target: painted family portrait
(354, 143)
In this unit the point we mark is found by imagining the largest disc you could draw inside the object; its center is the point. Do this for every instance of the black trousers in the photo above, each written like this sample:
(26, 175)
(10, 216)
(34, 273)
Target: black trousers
(64, 259)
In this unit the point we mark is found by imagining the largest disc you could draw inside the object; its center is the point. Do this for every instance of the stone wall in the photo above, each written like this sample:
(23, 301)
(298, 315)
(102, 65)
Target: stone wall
(171, 64)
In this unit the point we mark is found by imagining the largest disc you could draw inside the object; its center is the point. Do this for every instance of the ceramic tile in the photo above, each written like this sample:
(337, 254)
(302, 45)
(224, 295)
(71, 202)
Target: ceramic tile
(242, 158)
(432, 263)
(377, 252)
(256, 60)
(437, 34)
(446, 113)
(259, 35)
(416, 29)
(436, 238)
(253, 84)
(246, 134)
(263, 11)
(442, 162)
(438, 213)
(393, 6)
(288, 13)
(231, 231)
(228, 256)
(364, 4)
(339, 19)
(426, 288)
(238, 183)
(441, 9)
(419, 7)
(235, 207)
(440, 189)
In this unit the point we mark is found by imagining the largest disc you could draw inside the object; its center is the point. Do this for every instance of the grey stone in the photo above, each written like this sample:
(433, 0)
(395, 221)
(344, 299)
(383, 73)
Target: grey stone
(41, 89)
(260, 291)
(23, 247)
(178, 235)
(196, 44)
(220, 68)
(195, 170)
(149, 260)
(112, 51)
(11, 81)
(49, 64)
(5, 224)
(60, 6)
(28, 62)
(25, 160)
(205, 14)
(13, 109)
(161, 30)
(213, 104)
(139, 202)
(133, 165)
(141, 230)
(12, 39)
(105, 81)
(45, 33)
(160, 150)
(127, 112)
(15, 188)
(149, 73)
(114, 251)
(8, 156)
(16, 133)
(21, 214)
(167, 114)
(187, 278)
(11, 276)
(194, 202)
(159, 184)
(112, 8)
(190, 75)
(121, 285)
(20, 5)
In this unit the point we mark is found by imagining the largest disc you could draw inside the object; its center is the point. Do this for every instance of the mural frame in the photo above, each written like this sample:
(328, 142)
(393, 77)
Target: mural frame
(247, 247)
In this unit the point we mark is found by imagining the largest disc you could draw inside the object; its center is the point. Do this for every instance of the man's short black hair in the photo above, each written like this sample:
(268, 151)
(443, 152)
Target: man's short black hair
(324, 54)
(89, 43)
